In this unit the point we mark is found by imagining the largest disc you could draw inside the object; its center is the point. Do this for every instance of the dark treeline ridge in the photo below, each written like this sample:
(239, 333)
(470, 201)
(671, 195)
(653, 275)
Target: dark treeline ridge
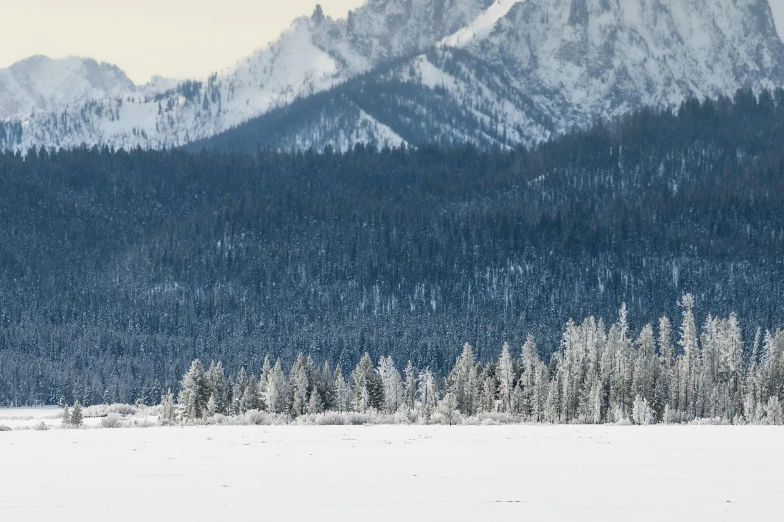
(117, 269)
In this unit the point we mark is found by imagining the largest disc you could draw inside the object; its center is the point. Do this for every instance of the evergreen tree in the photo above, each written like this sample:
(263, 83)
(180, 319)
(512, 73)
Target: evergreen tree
(463, 382)
(368, 387)
(343, 396)
(266, 369)
(391, 383)
(194, 394)
(506, 379)
(531, 362)
(326, 388)
(314, 404)
(216, 382)
(687, 378)
(65, 416)
(298, 386)
(168, 412)
(238, 392)
(773, 411)
(427, 394)
(277, 390)
(410, 386)
(77, 417)
(250, 399)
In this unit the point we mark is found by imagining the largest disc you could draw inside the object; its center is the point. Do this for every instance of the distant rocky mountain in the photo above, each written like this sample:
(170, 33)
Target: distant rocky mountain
(443, 71)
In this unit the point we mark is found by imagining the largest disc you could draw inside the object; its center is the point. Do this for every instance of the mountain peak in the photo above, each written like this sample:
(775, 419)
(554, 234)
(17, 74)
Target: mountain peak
(40, 83)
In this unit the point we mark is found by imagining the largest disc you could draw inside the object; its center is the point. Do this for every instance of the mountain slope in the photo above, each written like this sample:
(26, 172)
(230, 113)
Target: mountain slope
(583, 59)
(43, 84)
(444, 96)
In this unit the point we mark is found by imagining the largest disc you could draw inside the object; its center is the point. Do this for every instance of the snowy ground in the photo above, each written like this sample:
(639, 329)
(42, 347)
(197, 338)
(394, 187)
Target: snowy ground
(17, 418)
(51, 416)
(393, 473)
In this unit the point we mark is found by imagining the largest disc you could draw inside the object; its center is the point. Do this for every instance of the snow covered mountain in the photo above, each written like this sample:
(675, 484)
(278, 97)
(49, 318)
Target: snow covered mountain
(583, 59)
(314, 54)
(43, 84)
(447, 71)
(524, 70)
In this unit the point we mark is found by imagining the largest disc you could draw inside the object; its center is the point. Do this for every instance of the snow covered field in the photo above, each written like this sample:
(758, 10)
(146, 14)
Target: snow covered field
(394, 473)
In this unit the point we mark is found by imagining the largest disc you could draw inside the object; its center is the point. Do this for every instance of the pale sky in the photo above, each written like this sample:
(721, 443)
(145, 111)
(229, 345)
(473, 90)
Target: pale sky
(174, 38)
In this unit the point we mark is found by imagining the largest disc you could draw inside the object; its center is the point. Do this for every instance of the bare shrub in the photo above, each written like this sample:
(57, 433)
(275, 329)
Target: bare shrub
(103, 410)
(111, 421)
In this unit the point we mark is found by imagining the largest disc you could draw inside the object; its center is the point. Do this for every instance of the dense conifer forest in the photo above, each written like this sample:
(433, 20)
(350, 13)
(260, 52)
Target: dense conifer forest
(118, 268)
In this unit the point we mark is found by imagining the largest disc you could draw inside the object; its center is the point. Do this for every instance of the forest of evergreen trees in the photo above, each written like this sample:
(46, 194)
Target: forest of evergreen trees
(119, 268)
(597, 375)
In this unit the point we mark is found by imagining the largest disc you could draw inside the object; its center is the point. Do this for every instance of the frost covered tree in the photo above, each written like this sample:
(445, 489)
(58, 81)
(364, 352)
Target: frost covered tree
(645, 366)
(410, 386)
(463, 381)
(266, 369)
(427, 393)
(250, 398)
(216, 382)
(597, 375)
(325, 388)
(195, 393)
(238, 392)
(277, 390)
(528, 380)
(392, 384)
(642, 413)
(772, 411)
(447, 409)
(314, 404)
(298, 387)
(368, 387)
(688, 366)
(77, 416)
(506, 379)
(168, 408)
(343, 395)
(488, 392)
(65, 415)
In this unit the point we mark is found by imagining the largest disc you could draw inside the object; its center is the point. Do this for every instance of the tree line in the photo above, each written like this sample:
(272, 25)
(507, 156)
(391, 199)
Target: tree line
(598, 375)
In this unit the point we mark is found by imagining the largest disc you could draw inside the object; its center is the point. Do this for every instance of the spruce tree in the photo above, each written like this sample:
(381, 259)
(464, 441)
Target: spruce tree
(77, 417)
(343, 395)
(506, 377)
(168, 412)
(194, 395)
(65, 416)
(410, 386)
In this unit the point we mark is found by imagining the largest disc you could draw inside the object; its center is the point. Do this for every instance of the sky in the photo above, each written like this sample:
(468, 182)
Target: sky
(173, 38)
(777, 6)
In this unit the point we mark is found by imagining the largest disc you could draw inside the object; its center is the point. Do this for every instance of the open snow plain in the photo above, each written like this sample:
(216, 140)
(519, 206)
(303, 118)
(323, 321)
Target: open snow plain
(380, 473)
